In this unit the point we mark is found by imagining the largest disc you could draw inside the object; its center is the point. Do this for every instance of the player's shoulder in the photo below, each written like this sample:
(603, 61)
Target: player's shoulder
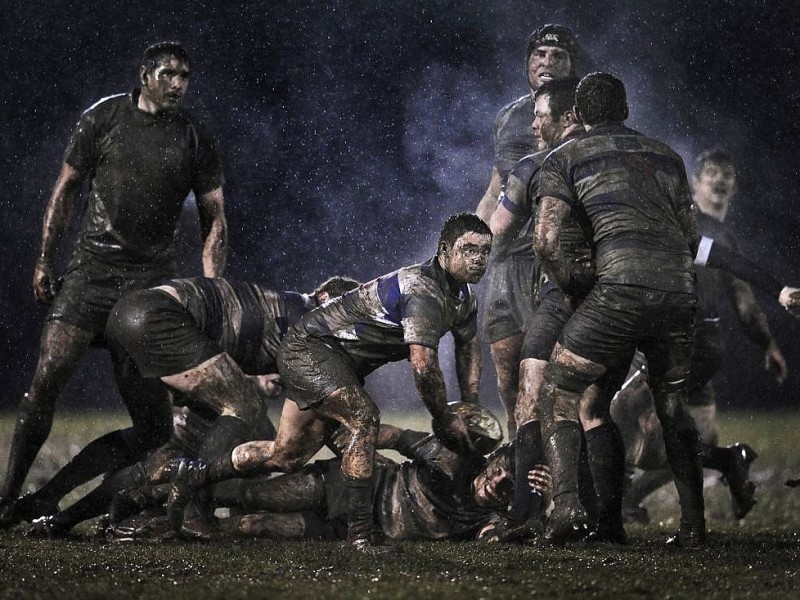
(529, 165)
(107, 108)
(514, 108)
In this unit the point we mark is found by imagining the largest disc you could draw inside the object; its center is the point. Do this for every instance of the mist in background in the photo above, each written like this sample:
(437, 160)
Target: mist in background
(350, 131)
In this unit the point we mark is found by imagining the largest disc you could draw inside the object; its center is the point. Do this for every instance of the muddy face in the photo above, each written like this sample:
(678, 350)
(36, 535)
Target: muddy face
(468, 258)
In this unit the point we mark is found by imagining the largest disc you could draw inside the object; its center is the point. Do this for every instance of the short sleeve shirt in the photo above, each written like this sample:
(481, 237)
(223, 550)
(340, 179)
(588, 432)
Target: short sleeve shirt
(376, 322)
(142, 167)
(626, 190)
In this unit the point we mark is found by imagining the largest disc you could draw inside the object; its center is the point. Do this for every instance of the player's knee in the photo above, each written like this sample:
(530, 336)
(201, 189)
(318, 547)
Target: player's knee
(570, 378)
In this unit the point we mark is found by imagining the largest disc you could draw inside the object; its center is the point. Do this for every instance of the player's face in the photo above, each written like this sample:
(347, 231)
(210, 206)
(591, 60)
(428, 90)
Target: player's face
(714, 187)
(493, 487)
(547, 128)
(467, 260)
(546, 64)
(166, 85)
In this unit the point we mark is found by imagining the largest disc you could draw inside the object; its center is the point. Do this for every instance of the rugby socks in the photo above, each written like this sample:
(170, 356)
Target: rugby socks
(562, 449)
(359, 510)
(683, 452)
(606, 452)
(567, 521)
(227, 433)
(586, 487)
(107, 453)
(528, 453)
(716, 458)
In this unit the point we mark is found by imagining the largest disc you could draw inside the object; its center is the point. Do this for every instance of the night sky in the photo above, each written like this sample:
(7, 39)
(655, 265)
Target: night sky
(350, 130)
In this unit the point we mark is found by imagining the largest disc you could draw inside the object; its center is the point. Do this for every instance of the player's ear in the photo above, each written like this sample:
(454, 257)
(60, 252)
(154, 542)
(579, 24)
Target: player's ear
(444, 249)
(143, 75)
(568, 118)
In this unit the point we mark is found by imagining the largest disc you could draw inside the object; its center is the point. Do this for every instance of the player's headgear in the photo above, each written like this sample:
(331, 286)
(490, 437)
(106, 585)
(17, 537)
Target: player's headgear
(553, 35)
(483, 426)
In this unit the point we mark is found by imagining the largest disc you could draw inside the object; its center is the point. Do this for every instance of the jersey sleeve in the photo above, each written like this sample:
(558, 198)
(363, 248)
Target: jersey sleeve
(80, 152)
(422, 318)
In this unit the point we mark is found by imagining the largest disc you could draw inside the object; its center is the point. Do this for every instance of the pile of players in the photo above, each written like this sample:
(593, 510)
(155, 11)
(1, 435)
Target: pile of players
(599, 280)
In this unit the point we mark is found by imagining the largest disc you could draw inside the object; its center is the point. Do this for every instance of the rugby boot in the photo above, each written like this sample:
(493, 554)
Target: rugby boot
(505, 530)
(568, 521)
(48, 527)
(26, 508)
(737, 476)
(689, 536)
(187, 477)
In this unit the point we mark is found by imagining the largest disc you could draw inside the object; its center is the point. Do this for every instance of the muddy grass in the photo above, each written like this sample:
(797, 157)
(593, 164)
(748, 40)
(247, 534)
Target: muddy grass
(758, 557)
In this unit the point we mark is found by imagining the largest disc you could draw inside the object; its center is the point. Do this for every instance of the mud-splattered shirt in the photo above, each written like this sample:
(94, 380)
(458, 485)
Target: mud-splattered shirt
(522, 200)
(513, 140)
(431, 496)
(626, 190)
(246, 320)
(142, 168)
(376, 322)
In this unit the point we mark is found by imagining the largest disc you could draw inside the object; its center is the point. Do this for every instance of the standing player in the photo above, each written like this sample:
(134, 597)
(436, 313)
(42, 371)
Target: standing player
(632, 194)
(713, 188)
(143, 155)
(554, 123)
(328, 353)
(551, 54)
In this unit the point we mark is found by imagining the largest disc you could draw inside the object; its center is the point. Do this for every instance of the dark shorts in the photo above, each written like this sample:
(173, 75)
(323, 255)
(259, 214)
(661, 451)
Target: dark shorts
(157, 332)
(90, 290)
(614, 320)
(508, 297)
(543, 329)
(312, 369)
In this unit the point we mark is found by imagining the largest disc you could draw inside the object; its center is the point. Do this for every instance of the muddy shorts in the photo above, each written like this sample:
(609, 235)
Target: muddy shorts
(157, 332)
(613, 320)
(89, 292)
(312, 369)
(544, 327)
(508, 297)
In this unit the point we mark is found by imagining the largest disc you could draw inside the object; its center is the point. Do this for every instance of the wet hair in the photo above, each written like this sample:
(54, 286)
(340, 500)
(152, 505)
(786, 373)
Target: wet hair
(562, 95)
(553, 35)
(505, 456)
(601, 98)
(336, 286)
(155, 53)
(717, 156)
(457, 225)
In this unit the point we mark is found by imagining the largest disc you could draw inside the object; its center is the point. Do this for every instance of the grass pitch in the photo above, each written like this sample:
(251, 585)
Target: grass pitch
(758, 557)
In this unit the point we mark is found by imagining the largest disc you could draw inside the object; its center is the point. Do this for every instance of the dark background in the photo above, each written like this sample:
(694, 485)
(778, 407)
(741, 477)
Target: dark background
(350, 130)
